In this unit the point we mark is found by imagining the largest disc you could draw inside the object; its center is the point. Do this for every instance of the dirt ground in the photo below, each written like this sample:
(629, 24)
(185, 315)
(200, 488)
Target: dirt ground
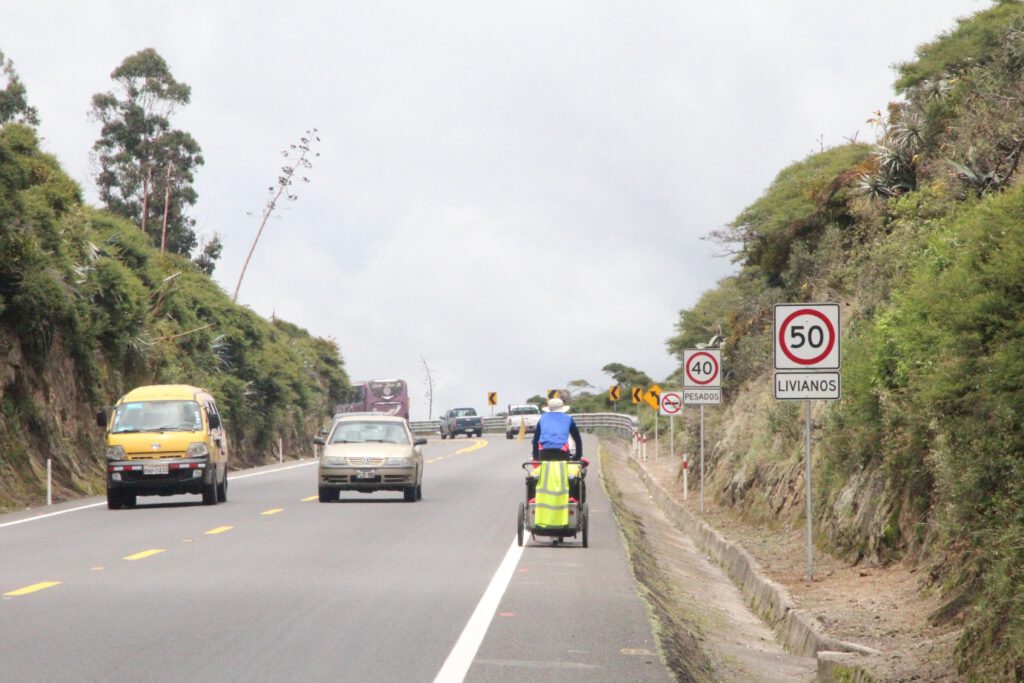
(883, 608)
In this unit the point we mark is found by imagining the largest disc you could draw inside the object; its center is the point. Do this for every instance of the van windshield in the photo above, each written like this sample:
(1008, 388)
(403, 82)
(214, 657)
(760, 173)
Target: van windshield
(157, 416)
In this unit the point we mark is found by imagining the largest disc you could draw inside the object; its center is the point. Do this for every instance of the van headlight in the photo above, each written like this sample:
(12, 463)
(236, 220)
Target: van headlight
(115, 453)
(198, 450)
(403, 461)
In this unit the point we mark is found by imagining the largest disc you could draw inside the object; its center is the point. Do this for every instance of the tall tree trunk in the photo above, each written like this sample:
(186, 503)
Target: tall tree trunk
(145, 195)
(167, 206)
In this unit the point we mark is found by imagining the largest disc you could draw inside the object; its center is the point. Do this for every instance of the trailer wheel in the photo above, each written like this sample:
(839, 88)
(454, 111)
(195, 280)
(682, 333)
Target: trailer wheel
(521, 524)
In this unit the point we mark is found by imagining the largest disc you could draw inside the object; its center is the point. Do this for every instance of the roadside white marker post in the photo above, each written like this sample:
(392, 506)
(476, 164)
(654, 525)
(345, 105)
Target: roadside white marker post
(280, 451)
(806, 341)
(49, 482)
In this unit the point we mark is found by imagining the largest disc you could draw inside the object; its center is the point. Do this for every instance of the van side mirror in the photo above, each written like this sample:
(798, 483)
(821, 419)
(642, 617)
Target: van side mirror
(214, 419)
(103, 418)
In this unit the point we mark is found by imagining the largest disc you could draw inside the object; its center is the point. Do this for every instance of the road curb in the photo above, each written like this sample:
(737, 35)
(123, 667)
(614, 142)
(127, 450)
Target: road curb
(769, 600)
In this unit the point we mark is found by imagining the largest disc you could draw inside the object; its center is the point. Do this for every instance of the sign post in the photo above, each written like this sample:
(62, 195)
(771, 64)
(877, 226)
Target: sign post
(635, 395)
(653, 399)
(492, 400)
(806, 348)
(671, 404)
(702, 385)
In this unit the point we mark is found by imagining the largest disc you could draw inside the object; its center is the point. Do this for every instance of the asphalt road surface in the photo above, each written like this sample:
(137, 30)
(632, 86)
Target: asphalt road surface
(275, 586)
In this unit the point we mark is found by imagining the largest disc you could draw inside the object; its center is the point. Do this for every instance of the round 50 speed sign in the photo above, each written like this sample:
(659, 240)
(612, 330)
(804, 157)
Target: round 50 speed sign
(806, 337)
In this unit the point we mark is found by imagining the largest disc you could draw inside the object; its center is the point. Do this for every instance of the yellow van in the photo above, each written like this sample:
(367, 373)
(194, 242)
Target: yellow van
(163, 440)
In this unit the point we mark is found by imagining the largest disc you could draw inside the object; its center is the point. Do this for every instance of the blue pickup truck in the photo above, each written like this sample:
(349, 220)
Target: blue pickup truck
(461, 421)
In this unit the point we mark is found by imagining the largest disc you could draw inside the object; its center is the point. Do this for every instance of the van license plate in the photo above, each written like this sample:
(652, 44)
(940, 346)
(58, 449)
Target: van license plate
(365, 474)
(154, 469)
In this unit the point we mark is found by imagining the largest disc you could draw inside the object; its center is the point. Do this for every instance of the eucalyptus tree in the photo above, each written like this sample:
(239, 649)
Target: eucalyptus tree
(14, 106)
(145, 166)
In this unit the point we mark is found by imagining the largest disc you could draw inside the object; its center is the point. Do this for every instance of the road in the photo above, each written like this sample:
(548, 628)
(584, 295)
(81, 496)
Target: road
(275, 586)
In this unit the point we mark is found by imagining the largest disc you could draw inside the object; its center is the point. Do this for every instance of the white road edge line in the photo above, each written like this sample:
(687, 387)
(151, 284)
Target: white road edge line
(51, 514)
(461, 657)
(94, 505)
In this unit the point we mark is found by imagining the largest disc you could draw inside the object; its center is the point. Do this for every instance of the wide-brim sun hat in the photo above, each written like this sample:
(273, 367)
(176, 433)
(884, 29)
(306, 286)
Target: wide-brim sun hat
(555, 405)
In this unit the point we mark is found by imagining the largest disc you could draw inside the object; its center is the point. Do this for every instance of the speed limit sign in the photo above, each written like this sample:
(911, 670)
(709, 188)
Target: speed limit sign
(806, 336)
(702, 368)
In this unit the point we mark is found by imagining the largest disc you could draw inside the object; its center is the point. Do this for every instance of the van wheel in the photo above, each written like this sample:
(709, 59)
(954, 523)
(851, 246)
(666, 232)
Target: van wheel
(222, 489)
(114, 500)
(210, 492)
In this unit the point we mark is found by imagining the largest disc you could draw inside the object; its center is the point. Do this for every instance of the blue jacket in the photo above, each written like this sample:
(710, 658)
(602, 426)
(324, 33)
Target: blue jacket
(553, 432)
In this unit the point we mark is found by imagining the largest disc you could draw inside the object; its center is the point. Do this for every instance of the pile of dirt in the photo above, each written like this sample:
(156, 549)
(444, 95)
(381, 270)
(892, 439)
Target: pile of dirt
(884, 608)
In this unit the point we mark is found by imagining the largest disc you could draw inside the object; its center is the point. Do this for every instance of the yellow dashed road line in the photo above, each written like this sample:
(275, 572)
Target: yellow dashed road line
(477, 445)
(146, 553)
(219, 530)
(271, 511)
(480, 443)
(32, 589)
(310, 498)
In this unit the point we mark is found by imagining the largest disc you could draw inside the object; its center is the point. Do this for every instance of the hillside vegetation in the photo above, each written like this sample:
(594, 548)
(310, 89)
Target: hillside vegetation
(89, 309)
(920, 238)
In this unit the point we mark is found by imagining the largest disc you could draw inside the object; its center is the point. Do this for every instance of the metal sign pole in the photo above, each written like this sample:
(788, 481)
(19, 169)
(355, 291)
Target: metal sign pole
(702, 457)
(686, 477)
(656, 421)
(671, 435)
(807, 476)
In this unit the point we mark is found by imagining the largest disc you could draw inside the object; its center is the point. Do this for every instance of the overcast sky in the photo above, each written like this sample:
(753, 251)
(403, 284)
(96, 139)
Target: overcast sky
(516, 192)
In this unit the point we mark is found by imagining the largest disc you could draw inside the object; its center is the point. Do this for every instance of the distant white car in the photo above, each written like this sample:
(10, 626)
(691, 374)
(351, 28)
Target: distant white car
(525, 414)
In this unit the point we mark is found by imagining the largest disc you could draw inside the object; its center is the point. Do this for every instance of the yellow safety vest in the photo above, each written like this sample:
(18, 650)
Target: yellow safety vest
(552, 496)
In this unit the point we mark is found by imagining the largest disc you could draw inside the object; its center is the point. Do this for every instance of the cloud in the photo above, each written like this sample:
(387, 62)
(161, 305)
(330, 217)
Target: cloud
(516, 192)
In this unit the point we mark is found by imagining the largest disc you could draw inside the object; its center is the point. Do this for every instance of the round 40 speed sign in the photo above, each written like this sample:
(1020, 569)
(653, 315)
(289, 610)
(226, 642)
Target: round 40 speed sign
(806, 337)
(702, 368)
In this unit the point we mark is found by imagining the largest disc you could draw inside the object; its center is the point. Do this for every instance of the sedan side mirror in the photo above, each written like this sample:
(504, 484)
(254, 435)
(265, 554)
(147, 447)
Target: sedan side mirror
(319, 440)
(419, 441)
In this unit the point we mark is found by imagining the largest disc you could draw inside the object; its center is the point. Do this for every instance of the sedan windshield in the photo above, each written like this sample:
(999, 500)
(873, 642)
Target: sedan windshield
(369, 432)
(157, 416)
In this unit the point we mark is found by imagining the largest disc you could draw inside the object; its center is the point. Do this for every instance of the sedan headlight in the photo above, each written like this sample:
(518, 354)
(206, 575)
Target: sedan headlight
(198, 450)
(333, 461)
(115, 453)
(403, 461)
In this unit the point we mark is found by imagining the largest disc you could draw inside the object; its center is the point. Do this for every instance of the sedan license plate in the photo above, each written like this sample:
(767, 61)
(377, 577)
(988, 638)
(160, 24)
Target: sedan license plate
(154, 469)
(365, 474)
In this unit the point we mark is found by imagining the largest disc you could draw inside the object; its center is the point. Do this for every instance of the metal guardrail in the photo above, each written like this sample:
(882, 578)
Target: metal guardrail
(626, 424)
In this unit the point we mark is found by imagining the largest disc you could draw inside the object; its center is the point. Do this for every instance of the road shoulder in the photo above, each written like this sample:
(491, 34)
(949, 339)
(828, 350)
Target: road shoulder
(704, 627)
